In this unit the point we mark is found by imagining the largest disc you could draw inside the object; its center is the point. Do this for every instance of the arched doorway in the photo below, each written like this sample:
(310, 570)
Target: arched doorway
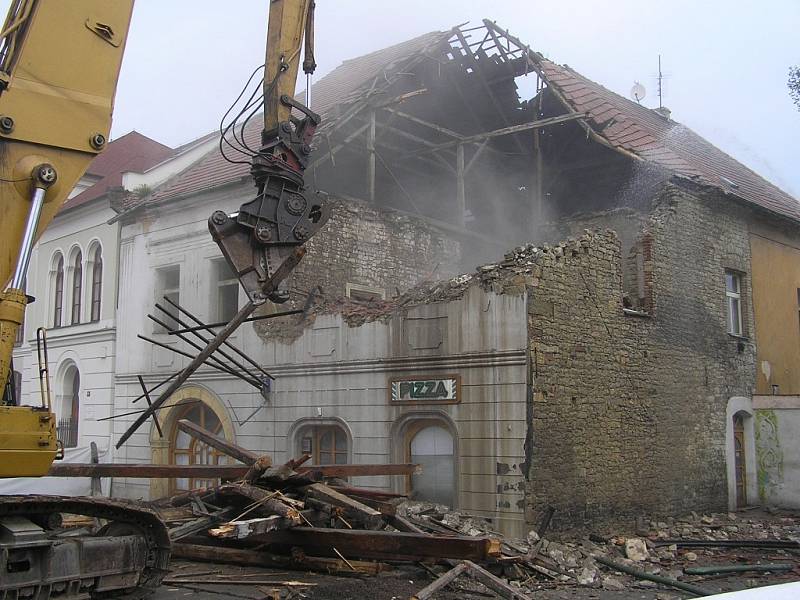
(431, 445)
(175, 446)
(69, 406)
(740, 452)
(739, 459)
(187, 450)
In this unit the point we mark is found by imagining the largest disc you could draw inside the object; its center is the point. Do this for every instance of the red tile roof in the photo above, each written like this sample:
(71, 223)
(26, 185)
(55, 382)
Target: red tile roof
(131, 152)
(631, 127)
(625, 124)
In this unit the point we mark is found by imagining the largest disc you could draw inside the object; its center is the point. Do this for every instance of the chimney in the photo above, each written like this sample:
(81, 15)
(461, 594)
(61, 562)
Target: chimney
(664, 112)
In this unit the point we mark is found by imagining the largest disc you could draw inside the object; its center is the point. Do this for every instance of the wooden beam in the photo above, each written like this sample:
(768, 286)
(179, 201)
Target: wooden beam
(370, 517)
(442, 581)
(495, 583)
(477, 69)
(200, 524)
(257, 558)
(268, 502)
(461, 197)
(383, 544)
(424, 123)
(216, 471)
(331, 152)
(221, 444)
(504, 131)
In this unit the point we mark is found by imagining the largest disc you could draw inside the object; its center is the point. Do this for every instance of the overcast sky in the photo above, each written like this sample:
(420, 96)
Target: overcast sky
(726, 61)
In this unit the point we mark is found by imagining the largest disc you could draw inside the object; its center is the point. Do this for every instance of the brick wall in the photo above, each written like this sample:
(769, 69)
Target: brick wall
(370, 246)
(628, 412)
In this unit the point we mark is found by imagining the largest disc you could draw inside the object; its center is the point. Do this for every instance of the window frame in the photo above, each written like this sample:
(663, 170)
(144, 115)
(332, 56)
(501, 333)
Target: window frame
(77, 289)
(364, 293)
(97, 285)
(219, 285)
(162, 290)
(734, 297)
(315, 433)
(58, 299)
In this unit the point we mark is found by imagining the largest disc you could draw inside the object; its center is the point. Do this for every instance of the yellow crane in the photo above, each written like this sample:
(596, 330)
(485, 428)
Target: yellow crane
(59, 65)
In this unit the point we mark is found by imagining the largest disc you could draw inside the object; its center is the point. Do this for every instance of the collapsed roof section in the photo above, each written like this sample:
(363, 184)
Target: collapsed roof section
(436, 126)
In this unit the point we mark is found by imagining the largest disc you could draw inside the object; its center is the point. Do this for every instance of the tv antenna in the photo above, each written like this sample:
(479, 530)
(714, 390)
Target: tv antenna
(638, 92)
(660, 79)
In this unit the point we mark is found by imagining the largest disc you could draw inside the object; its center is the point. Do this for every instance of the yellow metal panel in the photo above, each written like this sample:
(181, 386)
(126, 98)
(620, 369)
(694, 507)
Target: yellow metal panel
(64, 79)
(776, 308)
(284, 35)
(27, 441)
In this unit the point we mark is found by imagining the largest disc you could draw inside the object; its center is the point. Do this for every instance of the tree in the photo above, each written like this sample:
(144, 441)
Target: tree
(794, 85)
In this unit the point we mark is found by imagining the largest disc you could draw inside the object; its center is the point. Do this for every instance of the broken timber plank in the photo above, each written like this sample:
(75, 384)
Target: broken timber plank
(370, 517)
(494, 583)
(201, 524)
(269, 501)
(239, 530)
(221, 471)
(383, 544)
(258, 558)
(223, 445)
(440, 582)
(403, 524)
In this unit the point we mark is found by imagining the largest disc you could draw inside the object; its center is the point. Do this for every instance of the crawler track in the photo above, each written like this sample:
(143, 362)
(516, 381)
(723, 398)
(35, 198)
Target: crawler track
(124, 518)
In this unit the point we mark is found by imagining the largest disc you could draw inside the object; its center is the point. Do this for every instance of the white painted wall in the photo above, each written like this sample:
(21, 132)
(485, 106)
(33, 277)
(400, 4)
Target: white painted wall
(777, 431)
(89, 346)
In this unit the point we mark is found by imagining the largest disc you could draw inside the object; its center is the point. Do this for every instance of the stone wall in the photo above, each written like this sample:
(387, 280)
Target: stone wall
(375, 247)
(628, 411)
(372, 246)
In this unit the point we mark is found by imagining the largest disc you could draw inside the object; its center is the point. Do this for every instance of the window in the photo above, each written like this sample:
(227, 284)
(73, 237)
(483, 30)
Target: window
(188, 450)
(58, 302)
(97, 283)
(169, 286)
(363, 293)
(432, 446)
(227, 291)
(733, 293)
(327, 445)
(77, 286)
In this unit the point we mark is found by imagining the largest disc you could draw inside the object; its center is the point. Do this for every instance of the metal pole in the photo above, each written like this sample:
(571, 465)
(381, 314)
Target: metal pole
(243, 313)
(28, 237)
(308, 90)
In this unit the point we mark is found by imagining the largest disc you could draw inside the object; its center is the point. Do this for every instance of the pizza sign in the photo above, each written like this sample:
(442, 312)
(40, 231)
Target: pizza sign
(430, 390)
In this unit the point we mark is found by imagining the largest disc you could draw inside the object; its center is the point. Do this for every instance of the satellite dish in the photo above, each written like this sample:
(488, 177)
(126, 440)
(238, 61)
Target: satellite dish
(638, 92)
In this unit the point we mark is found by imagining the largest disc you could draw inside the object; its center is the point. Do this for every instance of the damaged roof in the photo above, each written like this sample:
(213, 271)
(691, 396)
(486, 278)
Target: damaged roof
(630, 127)
(613, 120)
(350, 81)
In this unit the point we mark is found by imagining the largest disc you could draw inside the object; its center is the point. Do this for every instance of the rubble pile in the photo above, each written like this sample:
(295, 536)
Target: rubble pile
(698, 554)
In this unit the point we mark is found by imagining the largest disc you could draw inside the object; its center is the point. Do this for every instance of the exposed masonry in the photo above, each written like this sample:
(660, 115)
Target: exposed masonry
(369, 246)
(627, 408)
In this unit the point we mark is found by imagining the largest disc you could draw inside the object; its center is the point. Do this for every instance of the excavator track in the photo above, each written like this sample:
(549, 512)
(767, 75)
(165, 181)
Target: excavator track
(127, 558)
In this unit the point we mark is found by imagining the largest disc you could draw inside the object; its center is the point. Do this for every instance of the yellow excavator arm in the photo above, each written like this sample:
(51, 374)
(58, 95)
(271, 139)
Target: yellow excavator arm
(59, 65)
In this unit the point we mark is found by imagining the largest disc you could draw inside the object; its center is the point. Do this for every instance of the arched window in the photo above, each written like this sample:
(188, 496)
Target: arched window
(188, 450)
(327, 444)
(431, 445)
(97, 282)
(77, 283)
(58, 301)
